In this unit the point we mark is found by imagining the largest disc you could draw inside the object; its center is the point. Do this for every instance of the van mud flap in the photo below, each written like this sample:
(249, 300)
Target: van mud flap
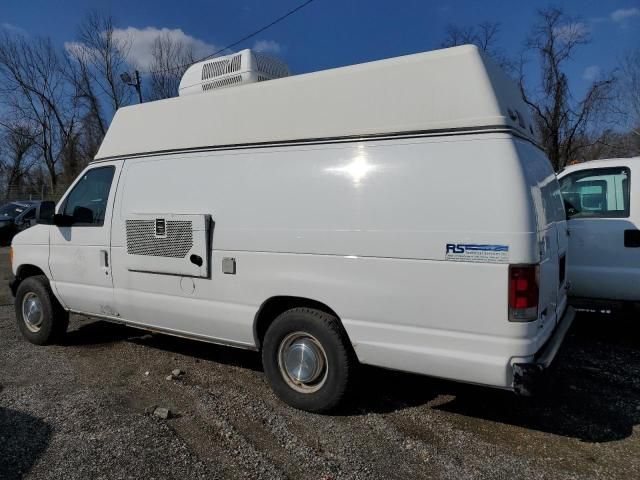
(527, 377)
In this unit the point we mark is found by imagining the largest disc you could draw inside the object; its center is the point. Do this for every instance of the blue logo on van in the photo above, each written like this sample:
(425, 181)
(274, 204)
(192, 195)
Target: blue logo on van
(473, 247)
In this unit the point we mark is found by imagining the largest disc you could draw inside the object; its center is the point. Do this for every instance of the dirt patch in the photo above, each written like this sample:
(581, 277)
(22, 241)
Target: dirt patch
(83, 403)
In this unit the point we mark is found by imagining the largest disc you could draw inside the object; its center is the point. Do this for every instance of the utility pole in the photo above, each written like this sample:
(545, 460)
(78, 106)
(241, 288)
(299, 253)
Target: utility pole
(126, 78)
(138, 86)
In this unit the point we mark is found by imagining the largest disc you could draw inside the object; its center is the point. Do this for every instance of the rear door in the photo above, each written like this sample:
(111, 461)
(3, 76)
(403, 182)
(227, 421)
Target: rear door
(551, 232)
(604, 242)
(80, 255)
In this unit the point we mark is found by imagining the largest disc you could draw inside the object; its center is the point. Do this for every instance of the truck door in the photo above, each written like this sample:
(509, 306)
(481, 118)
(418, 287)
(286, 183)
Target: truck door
(603, 258)
(80, 254)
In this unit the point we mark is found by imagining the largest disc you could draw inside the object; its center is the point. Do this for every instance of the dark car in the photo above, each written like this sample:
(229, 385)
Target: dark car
(15, 217)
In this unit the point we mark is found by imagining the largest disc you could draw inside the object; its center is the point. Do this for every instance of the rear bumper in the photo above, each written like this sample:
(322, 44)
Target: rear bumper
(527, 375)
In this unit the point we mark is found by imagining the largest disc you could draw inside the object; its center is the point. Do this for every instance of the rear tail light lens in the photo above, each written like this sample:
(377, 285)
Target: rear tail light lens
(523, 293)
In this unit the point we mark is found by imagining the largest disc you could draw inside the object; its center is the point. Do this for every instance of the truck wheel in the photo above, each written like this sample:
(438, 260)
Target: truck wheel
(41, 319)
(308, 359)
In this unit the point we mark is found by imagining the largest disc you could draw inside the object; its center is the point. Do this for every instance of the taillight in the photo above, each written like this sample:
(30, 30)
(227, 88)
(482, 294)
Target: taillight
(523, 293)
(10, 259)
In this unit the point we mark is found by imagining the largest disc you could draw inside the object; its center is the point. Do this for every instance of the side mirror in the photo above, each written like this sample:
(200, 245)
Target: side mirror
(45, 212)
(61, 220)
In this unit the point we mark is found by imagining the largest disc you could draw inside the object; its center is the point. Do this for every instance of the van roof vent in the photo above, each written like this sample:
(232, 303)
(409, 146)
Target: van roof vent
(243, 67)
(218, 68)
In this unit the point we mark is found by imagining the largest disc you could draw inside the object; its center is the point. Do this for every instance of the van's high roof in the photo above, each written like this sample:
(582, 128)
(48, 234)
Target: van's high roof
(451, 90)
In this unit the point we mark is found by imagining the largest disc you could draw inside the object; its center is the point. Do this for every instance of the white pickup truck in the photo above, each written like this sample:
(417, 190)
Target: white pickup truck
(603, 207)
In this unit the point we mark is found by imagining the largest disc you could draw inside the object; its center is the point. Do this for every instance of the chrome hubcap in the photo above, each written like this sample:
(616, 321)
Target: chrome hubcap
(32, 312)
(302, 362)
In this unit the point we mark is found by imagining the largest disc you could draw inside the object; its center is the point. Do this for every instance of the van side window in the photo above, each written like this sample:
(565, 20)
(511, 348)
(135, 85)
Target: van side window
(87, 202)
(597, 193)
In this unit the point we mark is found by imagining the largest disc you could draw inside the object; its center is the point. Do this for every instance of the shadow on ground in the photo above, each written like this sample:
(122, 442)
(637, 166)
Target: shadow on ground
(100, 332)
(23, 439)
(593, 392)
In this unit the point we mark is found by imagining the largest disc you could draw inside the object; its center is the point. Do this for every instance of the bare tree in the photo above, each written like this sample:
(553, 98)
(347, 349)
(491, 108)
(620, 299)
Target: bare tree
(171, 58)
(65, 102)
(78, 71)
(102, 55)
(93, 66)
(18, 142)
(484, 36)
(630, 87)
(612, 144)
(35, 93)
(566, 126)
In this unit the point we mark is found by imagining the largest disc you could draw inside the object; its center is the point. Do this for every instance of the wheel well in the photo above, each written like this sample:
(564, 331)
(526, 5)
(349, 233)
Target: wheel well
(26, 271)
(274, 306)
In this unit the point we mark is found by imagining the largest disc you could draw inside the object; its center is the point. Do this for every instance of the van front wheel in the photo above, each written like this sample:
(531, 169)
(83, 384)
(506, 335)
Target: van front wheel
(308, 359)
(41, 319)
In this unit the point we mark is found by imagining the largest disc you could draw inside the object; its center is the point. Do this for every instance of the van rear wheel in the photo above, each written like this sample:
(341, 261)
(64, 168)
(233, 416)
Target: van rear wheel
(41, 319)
(308, 359)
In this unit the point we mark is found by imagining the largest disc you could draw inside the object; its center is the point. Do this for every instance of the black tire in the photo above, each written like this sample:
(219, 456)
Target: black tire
(340, 366)
(54, 321)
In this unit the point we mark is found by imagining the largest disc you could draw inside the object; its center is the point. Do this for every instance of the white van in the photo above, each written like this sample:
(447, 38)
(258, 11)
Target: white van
(603, 207)
(395, 213)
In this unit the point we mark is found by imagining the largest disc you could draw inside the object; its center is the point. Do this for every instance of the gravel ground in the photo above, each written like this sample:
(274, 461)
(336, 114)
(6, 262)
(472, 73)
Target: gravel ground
(80, 410)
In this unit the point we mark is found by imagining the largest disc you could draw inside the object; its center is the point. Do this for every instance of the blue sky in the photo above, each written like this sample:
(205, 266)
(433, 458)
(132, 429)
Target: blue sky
(330, 33)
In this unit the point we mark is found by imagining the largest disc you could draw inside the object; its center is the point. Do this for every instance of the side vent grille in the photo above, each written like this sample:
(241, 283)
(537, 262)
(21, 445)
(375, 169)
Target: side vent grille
(221, 67)
(142, 238)
(223, 82)
(235, 64)
(270, 67)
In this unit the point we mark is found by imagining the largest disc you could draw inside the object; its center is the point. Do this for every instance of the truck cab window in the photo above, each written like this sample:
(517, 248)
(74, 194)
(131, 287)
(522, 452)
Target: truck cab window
(31, 213)
(597, 193)
(87, 202)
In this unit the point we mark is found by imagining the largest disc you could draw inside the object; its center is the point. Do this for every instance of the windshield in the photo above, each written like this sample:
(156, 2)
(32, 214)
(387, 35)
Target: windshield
(11, 210)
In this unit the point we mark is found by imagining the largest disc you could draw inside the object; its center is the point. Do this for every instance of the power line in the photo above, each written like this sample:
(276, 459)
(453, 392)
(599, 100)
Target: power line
(237, 42)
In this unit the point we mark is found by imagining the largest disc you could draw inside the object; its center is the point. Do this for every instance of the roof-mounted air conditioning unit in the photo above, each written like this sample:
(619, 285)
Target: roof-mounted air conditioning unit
(240, 68)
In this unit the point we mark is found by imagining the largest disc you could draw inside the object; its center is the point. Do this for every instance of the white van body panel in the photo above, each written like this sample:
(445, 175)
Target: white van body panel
(601, 267)
(33, 249)
(348, 225)
(402, 213)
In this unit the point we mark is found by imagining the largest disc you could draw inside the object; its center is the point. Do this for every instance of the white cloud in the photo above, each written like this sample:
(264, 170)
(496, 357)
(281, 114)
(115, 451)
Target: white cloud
(267, 46)
(571, 31)
(624, 13)
(591, 73)
(141, 41)
(77, 49)
(13, 29)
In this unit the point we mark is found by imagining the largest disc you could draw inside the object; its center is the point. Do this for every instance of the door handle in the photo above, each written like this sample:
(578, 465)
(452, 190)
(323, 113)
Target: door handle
(104, 258)
(632, 238)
